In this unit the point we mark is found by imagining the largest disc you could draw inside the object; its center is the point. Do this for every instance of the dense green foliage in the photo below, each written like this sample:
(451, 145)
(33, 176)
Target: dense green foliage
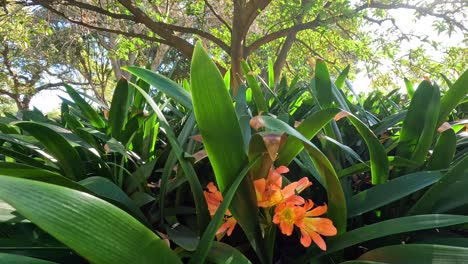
(125, 183)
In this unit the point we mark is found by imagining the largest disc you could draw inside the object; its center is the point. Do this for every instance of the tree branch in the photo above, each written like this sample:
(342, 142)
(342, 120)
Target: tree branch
(281, 33)
(420, 9)
(88, 7)
(119, 32)
(218, 16)
(56, 85)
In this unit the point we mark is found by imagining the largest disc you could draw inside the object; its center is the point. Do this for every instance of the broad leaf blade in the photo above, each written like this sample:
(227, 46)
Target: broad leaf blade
(119, 108)
(68, 158)
(386, 228)
(323, 84)
(206, 240)
(377, 153)
(418, 253)
(256, 91)
(419, 125)
(222, 138)
(308, 128)
(391, 191)
(448, 194)
(18, 259)
(88, 111)
(162, 83)
(455, 95)
(85, 223)
(444, 150)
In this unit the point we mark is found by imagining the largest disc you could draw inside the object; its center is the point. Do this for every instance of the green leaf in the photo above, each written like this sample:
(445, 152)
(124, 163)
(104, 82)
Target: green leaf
(391, 191)
(454, 96)
(222, 253)
(419, 126)
(447, 194)
(271, 74)
(119, 108)
(361, 262)
(88, 111)
(26, 159)
(85, 223)
(409, 88)
(377, 153)
(190, 174)
(418, 253)
(162, 83)
(444, 150)
(104, 188)
(206, 240)
(386, 228)
(67, 157)
(323, 84)
(18, 259)
(340, 81)
(308, 128)
(29, 172)
(256, 90)
(222, 139)
(336, 200)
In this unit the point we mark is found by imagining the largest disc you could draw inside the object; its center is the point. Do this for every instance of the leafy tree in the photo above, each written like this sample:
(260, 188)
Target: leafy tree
(240, 29)
(41, 51)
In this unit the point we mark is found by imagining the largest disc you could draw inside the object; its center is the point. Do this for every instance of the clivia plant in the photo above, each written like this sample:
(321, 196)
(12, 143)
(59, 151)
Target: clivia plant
(133, 187)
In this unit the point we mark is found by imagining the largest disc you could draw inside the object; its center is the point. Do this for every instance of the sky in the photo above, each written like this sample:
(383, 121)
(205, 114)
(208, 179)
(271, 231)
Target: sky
(47, 101)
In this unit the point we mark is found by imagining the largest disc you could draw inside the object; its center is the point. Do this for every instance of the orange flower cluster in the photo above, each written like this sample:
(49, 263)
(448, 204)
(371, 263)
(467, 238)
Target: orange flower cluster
(291, 209)
(214, 198)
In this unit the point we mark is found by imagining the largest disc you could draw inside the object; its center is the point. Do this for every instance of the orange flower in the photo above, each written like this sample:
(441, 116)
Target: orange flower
(268, 191)
(213, 199)
(295, 188)
(288, 214)
(312, 227)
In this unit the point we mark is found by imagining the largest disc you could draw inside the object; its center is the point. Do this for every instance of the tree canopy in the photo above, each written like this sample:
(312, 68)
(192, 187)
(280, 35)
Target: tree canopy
(288, 32)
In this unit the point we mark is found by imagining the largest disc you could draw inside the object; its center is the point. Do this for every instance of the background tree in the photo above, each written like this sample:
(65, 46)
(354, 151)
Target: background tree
(39, 52)
(240, 29)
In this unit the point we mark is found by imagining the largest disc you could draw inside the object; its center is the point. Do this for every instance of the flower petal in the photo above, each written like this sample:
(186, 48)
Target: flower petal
(317, 211)
(282, 169)
(318, 240)
(305, 239)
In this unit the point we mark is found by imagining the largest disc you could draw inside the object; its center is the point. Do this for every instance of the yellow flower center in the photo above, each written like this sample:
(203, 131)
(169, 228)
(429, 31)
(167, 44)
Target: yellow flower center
(288, 215)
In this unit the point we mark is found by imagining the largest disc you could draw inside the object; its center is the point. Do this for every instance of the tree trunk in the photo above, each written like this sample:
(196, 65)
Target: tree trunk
(283, 55)
(237, 52)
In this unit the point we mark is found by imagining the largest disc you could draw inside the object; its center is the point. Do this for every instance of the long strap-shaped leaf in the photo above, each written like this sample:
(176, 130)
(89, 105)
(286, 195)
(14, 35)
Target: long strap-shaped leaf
(443, 152)
(391, 191)
(119, 108)
(308, 128)
(67, 157)
(33, 173)
(97, 230)
(455, 95)
(17, 259)
(419, 125)
(386, 228)
(257, 94)
(207, 239)
(88, 111)
(447, 194)
(418, 253)
(377, 153)
(197, 191)
(222, 138)
(164, 84)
